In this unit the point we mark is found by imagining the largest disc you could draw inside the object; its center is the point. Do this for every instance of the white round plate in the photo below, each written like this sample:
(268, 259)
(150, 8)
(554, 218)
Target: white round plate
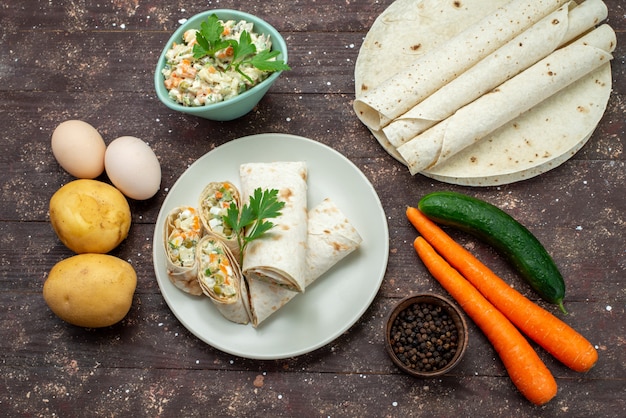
(333, 303)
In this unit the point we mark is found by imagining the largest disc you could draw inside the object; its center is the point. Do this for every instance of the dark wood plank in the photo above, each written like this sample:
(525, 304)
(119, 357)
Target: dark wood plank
(95, 60)
(169, 392)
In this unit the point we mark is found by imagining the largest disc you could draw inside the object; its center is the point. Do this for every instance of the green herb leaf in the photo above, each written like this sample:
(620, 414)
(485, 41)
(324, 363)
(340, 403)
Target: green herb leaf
(212, 28)
(231, 219)
(209, 41)
(265, 61)
(250, 222)
(266, 204)
(245, 46)
(209, 38)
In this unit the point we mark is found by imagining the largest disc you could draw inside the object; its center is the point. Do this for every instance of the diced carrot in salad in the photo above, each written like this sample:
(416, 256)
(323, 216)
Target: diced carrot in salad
(216, 271)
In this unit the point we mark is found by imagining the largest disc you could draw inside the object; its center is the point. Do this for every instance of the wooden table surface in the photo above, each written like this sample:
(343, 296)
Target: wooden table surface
(94, 61)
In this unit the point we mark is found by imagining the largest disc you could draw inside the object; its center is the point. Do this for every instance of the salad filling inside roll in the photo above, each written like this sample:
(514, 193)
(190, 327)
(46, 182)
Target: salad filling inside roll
(221, 280)
(215, 200)
(183, 231)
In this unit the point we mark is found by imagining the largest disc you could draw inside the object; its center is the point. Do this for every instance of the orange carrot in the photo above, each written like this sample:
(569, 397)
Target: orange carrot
(528, 373)
(551, 333)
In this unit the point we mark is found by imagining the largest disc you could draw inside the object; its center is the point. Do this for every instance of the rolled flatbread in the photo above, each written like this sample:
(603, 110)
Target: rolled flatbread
(213, 204)
(428, 73)
(221, 280)
(182, 232)
(509, 100)
(279, 256)
(537, 141)
(553, 31)
(330, 238)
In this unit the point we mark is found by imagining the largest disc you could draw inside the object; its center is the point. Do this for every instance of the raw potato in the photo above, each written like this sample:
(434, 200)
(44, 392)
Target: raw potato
(91, 290)
(90, 216)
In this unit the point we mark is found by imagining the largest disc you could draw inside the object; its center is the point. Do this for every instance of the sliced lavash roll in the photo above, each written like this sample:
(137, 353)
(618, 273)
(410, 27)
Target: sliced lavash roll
(330, 238)
(431, 71)
(221, 280)
(213, 203)
(508, 101)
(553, 31)
(182, 231)
(279, 256)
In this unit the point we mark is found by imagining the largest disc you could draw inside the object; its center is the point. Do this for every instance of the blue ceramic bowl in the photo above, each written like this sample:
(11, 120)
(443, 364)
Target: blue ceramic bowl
(239, 105)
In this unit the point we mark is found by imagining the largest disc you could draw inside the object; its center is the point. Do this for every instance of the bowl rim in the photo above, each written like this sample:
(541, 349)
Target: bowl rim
(278, 42)
(453, 310)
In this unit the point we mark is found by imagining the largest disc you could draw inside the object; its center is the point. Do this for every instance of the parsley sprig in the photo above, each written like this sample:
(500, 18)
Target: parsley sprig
(209, 42)
(250, 222)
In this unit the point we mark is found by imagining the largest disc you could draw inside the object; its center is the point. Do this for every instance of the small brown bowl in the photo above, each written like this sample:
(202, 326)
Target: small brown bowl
(425, 357)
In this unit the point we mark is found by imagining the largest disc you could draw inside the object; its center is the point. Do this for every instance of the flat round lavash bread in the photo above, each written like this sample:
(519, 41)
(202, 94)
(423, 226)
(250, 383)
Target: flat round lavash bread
(539, 140)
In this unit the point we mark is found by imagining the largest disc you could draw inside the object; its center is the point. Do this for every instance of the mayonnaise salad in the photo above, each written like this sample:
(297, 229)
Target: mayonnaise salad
(210, 79)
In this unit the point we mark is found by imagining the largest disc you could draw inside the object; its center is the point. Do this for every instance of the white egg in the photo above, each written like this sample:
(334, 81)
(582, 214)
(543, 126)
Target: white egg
(133, 167)
(79, 149)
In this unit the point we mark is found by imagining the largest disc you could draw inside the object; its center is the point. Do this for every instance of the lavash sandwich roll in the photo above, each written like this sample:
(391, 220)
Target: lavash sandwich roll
(553, 31)
(431, 71)
(511, 99)
(330, 238)
(279, 256)
(221, 280)
(214, 202)
(182, 232)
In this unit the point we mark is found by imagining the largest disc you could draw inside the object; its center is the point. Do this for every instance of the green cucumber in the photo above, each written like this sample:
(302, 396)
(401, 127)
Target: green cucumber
(494, 226)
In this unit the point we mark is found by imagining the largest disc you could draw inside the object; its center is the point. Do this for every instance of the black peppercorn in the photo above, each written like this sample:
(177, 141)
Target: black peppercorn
(424, 337)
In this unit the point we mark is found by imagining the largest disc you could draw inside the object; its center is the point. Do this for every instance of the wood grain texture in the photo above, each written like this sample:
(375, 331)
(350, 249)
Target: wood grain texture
(94, 60)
